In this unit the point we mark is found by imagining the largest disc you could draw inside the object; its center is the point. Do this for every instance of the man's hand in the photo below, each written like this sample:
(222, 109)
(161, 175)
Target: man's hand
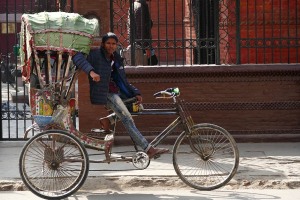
(95, 76)
(139, 99)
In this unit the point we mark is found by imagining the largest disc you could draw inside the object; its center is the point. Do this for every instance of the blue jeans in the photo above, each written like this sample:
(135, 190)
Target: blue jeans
(115, 103)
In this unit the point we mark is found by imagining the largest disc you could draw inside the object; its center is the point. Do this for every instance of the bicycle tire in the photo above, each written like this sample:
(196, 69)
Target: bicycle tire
(53, 164)
(206, 158)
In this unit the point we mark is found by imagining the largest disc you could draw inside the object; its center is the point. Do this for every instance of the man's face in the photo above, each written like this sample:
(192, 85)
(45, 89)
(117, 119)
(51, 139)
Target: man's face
(110, 46)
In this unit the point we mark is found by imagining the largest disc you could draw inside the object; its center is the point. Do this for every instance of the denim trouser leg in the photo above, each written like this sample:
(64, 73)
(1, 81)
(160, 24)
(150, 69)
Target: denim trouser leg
(116, 104)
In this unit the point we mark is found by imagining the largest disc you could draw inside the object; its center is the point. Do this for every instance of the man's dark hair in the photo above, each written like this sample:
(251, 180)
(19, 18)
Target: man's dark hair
(109, 35)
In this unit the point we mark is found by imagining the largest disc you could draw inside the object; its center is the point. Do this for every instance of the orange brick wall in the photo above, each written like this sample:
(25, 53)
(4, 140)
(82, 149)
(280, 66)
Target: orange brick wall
(99, 8)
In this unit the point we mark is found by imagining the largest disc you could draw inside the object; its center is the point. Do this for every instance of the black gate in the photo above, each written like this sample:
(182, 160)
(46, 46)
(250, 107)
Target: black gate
(15, 112)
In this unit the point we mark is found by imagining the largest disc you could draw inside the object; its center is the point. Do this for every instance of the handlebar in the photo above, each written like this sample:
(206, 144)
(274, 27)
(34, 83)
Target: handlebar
(167, 93)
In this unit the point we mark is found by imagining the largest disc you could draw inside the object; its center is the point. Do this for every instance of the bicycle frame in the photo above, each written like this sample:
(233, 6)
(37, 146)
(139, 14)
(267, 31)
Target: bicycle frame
(169, 129)
(177, 110)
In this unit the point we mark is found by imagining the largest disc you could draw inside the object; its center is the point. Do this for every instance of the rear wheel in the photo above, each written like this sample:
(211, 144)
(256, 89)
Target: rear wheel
(207, 158)
(53, 164)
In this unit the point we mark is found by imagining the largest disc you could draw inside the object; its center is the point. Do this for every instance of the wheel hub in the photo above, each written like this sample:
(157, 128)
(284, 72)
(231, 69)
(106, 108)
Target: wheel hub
(54, 165)
(141, 160)
(53, 158)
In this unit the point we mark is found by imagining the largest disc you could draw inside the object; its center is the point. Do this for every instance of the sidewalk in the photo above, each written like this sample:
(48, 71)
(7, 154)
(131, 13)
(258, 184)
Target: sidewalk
(262, 165)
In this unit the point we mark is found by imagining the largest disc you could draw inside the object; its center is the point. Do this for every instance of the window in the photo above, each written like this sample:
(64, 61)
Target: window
(7, 28)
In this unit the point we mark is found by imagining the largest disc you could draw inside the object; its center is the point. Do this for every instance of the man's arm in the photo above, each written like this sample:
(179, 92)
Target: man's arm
(80, 61)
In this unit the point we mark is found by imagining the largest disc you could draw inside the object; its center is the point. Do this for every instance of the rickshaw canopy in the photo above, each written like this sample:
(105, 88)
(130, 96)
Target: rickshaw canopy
(55, 31)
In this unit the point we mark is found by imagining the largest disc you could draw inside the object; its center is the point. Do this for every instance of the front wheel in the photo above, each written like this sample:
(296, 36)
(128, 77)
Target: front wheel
(53, 164)
(206, 158)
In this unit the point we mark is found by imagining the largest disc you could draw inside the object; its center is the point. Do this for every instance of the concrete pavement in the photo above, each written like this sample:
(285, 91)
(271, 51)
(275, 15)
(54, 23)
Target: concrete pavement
(262, 166)
(248, 194)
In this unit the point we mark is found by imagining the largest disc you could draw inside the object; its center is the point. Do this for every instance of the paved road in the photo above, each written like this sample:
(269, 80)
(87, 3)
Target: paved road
(262, 165)
(168, 195)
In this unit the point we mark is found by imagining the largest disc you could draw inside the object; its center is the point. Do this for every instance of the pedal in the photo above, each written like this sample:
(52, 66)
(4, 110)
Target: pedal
(109, 137)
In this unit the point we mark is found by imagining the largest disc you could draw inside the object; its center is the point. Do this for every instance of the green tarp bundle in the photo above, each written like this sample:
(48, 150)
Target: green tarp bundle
(55, 31)
(59, 30)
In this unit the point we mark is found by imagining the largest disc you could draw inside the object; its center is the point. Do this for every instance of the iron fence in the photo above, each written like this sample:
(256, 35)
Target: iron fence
(15, 111)
(197, 32)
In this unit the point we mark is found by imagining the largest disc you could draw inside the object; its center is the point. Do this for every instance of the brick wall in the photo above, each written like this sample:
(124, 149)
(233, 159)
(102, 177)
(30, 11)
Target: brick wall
(99, 9)
(256, 103)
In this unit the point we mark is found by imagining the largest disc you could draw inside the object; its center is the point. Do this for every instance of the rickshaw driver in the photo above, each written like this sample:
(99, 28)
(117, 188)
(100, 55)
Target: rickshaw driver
(108, 83)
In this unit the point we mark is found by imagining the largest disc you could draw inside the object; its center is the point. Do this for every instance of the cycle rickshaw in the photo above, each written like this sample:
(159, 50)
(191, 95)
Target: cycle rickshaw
(54, 163)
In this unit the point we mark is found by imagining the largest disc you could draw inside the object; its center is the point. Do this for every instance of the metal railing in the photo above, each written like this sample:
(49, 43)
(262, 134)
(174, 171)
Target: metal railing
(197, 32)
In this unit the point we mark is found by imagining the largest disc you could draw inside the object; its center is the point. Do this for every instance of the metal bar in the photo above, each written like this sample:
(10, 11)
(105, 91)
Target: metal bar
(288, 32)
(194, 56)
(174, 32)
(199, 32)
(15, 78)
(111, 16)
(182, 29)
(248, 46)
(158, 31)
(272, 47)
(7, 63)
(255, 17)
(160, 110)
(207, 20)
(132, 32)
(297, 27)
(216, 32)
(280, 46)
(166, 34)
(155, 113)
(24, 86)
(264, 33)
(112, 159)
(166, 132)
(32, 6)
